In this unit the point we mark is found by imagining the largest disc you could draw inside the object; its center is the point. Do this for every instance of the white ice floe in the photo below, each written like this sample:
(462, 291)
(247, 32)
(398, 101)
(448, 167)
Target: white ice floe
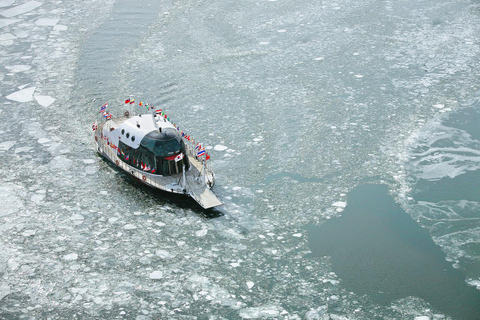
(297, 235)
(18, 68)
(6, 22)
(421, 318)
(250, 284)
(359, 76)
(201, 233)
(70, 257)
(60, 27)
(340, 204)
(24, 95)
(475, 283)
(129, 226)
(6, 37)
(220, 147)
(5, 146)
(46, 22)
(20, 9)
(319, 58)
(156, 275)
(44, 101)
(261, 312)
(6, 3)
(43, 140)
(439, 106)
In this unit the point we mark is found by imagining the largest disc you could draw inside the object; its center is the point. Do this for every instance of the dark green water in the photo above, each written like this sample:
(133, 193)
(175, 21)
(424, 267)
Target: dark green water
(379, 251)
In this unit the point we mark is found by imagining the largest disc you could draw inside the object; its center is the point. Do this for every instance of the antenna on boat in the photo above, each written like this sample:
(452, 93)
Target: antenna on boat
(152, 112)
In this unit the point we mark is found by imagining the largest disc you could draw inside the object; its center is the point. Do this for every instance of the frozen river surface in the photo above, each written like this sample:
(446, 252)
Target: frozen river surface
(345, 137)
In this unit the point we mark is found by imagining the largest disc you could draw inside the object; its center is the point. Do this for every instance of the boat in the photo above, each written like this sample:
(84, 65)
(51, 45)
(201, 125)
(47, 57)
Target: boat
(154, 150)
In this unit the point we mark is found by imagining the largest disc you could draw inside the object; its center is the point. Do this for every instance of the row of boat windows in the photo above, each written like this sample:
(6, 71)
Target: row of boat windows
(143, 159)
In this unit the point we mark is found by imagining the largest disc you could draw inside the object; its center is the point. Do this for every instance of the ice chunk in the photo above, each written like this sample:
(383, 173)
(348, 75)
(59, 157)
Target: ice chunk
(60, 27)
(60, 163)
(44, 101)
(156, 275)
(201, 233)
(20, 9)
(11, 203)
(24, 95)
(421, 318)
(297, 235)
(46, 22)
(6, 3)
(439, 106)
(5, 146)
(261, 312)
(6, 22)
(319, 58)
(43, 140)
(358, 76)
(70, 257)
(129, 227)
(7, 36)
(340, 204)
(250, 284)
(18, 68)
(220, 147)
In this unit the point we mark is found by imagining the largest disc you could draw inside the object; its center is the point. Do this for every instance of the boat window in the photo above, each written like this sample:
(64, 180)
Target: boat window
(128, 134)
(123, 131)
(133, 138)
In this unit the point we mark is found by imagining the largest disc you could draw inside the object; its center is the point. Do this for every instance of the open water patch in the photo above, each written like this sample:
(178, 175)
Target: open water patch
(378, 250)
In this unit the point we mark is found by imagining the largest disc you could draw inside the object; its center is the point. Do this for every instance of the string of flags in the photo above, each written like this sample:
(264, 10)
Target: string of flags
(199, 149)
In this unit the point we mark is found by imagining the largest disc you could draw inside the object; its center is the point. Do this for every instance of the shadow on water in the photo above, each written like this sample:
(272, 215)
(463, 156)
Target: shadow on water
(379, 251)
(164, 197)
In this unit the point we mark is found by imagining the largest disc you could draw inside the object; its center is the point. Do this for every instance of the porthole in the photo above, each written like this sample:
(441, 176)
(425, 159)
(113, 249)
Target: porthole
(128, 134)
(123, 131)
(133, 138)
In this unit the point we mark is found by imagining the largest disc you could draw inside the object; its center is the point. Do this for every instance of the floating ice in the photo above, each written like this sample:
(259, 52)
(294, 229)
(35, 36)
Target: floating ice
(439, 106)
(264, 43)
(250, 284)
(60, 163)
(281, 30)
(236, 188)
(220, 147)
(319, 58)
(20, 9)
(24, 95)
(5, 146)
(358, 76)
(11, 203)
(261, 312)
(43, 140)
(44, 101)
(28, 233)
(340, 204)
(6, 3)
(156, 275)
(201, 233)
(70, 257)
(129, 226)
(297, 235)
(46, 22)
(6, 22)
(60, 27)
(7, 36)
(18, 68)
(421, 318)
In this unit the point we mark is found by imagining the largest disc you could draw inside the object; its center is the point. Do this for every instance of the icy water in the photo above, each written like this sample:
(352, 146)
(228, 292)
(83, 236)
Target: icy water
(341, 134)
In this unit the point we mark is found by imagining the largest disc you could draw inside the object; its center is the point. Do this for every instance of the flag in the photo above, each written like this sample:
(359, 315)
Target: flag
(127, 157)
(94, 127)
(201, 152)
(153, 170)
(127, 101)
(103, 107)
(207, 157)
(198, 146)
(132, 101)
(140, 103)
(179, 157)
(158, 111)
(109, 116)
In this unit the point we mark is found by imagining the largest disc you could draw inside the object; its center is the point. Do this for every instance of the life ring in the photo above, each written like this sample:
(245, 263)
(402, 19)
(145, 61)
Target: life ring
(116, 162)
(144, 177)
